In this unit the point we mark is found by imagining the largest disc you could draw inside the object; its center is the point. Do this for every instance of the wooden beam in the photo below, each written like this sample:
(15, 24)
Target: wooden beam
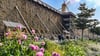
(23, 19)
(56, 26)
(43, 23)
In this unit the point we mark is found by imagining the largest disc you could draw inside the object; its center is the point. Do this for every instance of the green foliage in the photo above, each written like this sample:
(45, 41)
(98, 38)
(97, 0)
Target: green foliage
(85, 11)
(12, 48)
(53, 47)
(96, 30)
(81, 23)
(71, 49)
(93, 29)
(47, 53)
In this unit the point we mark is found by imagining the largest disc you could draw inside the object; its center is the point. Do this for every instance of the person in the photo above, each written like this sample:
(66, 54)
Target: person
(41, 37)
(61, 37)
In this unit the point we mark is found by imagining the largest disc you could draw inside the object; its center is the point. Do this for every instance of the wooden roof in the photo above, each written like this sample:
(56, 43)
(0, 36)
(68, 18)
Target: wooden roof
(12, 24)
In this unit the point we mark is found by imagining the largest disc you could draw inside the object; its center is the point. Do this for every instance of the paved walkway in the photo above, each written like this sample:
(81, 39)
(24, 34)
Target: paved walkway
(93, 49)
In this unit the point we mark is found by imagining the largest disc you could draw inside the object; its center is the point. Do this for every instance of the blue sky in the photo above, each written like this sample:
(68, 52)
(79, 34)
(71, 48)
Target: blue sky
(74, 4)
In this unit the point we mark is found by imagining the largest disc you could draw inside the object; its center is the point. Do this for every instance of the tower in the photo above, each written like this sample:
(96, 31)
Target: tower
(67, 19)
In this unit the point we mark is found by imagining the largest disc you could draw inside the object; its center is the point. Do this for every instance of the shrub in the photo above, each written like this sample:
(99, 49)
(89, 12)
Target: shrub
(53, 47)
(71, 49)
(13, 48)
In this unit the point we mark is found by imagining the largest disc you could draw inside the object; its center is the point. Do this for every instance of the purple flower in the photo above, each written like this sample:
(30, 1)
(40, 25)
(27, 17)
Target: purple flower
(32, 47)
(39, 54)
(24, 36)
(58, 54)
(19, 27)
(37, 48)
(55, 54)
(43, 43)
(42, 49)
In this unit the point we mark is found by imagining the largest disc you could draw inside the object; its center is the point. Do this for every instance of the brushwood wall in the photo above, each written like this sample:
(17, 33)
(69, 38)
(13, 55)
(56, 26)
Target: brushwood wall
(30, 10)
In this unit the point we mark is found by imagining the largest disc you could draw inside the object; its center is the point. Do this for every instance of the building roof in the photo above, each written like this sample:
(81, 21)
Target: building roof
(46, 5)
(12, 24)
(69, 13)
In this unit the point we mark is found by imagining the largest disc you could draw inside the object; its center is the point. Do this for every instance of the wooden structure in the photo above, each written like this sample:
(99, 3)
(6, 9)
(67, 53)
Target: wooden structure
(8, 24)
(33, 14)
(37, 14)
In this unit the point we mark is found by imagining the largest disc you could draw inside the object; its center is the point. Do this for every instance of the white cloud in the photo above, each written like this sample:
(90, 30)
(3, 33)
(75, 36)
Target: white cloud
(77, 0)
(95, 2)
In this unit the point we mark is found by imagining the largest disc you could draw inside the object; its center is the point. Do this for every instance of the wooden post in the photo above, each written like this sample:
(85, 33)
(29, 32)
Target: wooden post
(42, 22)
(55, 26)
(29, 30)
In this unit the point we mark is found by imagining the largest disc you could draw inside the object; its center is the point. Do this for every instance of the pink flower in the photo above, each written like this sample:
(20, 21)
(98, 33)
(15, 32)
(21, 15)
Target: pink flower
(19, 27)
(33, 31)
(42, 49)
(37, 48)
(36, 38)
(39, 54)
(24, 36)
(43, 43)
(58, 54)
(55, 54)
(32, 47)
(8, 33)
(19, 41)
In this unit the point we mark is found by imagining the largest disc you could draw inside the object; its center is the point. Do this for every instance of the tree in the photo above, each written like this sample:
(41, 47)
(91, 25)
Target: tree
(93, 27)
(97, 30)
(82, 17)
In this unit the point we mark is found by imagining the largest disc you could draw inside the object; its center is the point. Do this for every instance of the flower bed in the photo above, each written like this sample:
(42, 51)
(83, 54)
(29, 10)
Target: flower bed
(24, 45)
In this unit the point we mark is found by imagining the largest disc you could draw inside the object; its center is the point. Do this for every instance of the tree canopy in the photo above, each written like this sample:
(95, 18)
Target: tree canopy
(82, 17)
